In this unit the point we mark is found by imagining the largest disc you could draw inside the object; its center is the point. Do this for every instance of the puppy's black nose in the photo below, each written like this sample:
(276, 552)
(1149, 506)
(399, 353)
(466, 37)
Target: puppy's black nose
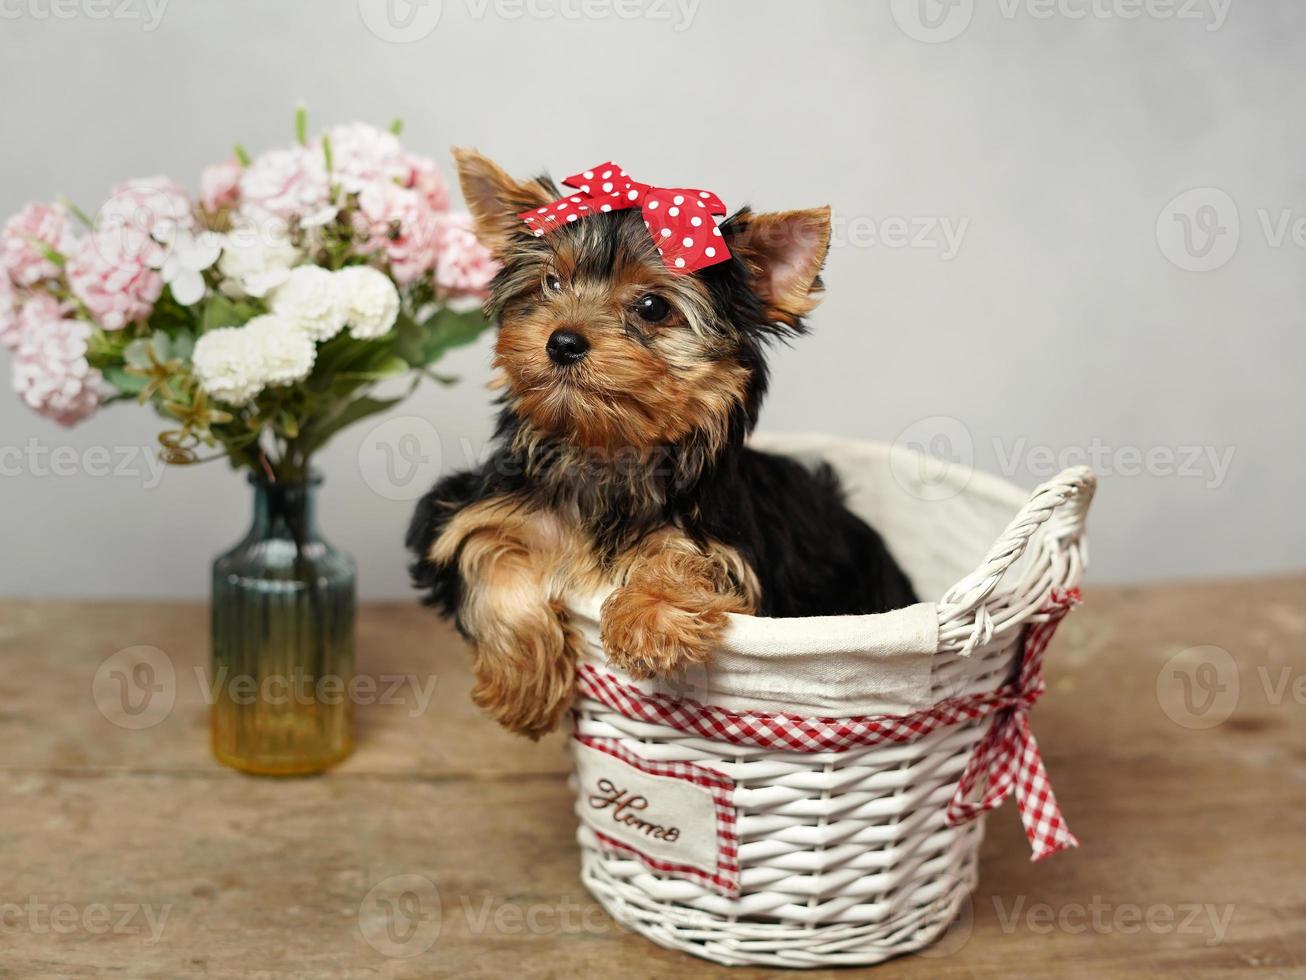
(567, 347)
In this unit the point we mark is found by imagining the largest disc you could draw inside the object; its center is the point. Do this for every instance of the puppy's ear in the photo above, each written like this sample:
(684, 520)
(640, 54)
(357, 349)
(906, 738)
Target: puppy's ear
(784, 253)
(495, 199)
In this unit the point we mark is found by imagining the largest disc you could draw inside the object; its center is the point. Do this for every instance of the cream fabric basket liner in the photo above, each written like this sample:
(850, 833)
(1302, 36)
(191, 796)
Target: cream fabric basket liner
(842, 856)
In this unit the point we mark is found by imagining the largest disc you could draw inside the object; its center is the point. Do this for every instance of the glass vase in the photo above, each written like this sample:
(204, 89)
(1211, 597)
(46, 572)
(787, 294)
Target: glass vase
(283, 640)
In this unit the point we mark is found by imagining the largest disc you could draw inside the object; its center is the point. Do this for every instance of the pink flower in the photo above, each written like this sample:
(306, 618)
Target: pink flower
(362, 154)
(464, 266)
(136, 208)
(20, 252)
(399, 223)
(286, 184)
(50, 371)
(220, 185)
(114, 279)
(10, 324)
(424, 176)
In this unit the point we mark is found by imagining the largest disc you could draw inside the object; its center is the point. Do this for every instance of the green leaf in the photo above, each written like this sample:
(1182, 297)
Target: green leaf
(161, 345)
(183, 345)
(77, 213)
(318, 431)
(389, 366)
(128, 384)
(220, 312)
(448, 329)
(326, 154)
(301, 125)
(49, 254)
(396, 126)
(410, 340)
(137, 353)
(242, 155)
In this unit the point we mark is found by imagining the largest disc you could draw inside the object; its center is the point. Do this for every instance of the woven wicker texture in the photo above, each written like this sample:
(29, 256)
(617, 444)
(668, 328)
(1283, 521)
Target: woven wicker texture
(846, 856)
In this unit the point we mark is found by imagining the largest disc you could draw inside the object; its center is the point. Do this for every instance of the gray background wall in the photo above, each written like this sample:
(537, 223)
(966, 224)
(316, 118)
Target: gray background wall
(1066, 315)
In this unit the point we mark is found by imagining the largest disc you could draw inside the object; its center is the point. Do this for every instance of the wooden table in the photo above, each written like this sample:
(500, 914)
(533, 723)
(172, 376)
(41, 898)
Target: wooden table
(129, 853)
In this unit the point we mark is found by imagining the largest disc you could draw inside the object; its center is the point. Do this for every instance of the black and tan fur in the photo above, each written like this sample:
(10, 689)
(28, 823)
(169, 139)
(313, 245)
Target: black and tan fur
(628, 468)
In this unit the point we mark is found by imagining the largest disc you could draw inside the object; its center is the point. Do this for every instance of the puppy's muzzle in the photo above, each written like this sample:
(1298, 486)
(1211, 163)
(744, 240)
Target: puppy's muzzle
(566, 347)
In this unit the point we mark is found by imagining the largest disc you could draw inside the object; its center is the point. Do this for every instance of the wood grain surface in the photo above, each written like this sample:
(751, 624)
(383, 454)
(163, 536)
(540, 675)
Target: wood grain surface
(1174, 731)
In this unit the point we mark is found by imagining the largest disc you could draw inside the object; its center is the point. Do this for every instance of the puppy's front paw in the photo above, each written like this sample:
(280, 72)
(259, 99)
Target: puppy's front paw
(648, 633)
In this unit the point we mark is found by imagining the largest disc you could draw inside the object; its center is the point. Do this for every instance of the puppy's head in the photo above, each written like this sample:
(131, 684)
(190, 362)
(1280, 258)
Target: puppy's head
(599, 343)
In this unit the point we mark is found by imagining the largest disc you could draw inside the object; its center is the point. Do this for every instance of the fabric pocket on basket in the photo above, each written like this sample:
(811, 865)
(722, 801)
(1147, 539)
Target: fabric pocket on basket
(676, 818)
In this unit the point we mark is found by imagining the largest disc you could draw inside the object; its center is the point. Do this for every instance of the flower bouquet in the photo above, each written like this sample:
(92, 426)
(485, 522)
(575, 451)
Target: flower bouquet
(258, 320)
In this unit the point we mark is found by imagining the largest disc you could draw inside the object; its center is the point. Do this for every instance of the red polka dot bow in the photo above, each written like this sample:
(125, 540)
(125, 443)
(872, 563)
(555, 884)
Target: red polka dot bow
(678, 218)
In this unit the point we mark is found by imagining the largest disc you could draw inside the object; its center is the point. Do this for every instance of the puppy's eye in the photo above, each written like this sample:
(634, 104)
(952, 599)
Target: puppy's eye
(652, 308)
(553, 283)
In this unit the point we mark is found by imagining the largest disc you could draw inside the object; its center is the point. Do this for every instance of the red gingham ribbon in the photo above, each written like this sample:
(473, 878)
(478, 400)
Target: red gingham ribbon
(678, 218)
(996, 755)
(1008, 759)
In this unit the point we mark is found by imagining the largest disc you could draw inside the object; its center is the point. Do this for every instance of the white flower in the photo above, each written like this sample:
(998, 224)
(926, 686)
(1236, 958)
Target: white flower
(372, 301)
(280, 353)
(257, 258)
(183, 261)
(224, 366)
(313, 299)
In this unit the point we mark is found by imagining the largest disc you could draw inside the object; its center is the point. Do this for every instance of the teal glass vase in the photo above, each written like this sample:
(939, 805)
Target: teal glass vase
(283, 640)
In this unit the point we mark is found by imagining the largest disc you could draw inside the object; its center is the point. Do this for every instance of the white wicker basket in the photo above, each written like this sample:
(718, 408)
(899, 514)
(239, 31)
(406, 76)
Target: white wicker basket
(797, 803)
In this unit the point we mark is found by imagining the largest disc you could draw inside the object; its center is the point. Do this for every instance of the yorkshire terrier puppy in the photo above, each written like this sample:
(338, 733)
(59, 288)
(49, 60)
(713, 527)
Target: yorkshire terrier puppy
(628, 388)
